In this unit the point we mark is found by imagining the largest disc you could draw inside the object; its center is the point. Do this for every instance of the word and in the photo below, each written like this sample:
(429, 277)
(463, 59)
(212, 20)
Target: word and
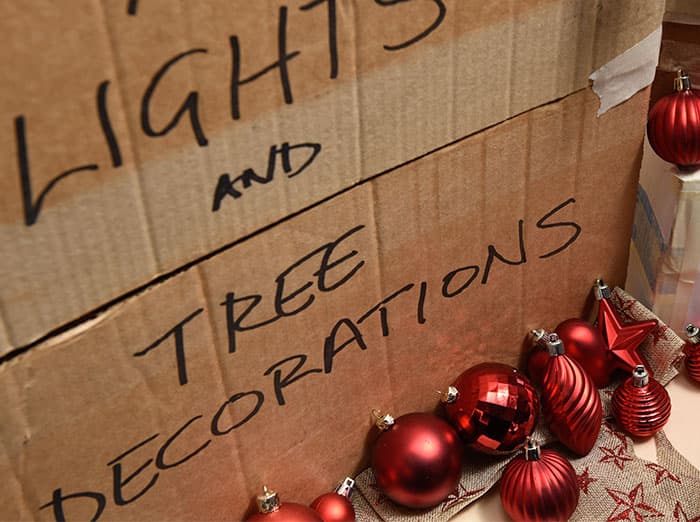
(136, 470)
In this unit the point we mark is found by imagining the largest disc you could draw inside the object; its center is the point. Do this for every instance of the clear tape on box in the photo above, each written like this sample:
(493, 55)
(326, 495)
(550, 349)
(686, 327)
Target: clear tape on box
(665, 252)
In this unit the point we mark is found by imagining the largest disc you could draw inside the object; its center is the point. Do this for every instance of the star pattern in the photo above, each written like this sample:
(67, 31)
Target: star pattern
(631, 506)
(618, 435)
(662, 473)
(460, 494)
(679, 514)
(615, 455)
(584, 480)
(623, 340)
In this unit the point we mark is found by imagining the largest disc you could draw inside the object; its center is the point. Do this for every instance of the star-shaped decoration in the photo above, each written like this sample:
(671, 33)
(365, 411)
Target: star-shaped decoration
(459, 495)
(616, 456)
(623, 341)
(660, 333)
(679, 514)
(614, 433)
(381, 497)
(631, 506)
(584, 480)
(662, 473)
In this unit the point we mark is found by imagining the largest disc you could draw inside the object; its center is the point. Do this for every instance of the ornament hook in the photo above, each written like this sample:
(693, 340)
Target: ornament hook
(383, 422)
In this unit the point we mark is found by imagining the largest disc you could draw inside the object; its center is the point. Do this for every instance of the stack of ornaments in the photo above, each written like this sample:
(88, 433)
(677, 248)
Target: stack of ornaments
(492, 409)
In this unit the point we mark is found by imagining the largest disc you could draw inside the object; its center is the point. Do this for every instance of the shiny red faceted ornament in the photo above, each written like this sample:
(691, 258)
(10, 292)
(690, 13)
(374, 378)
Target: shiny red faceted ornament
(692, 352)
(584, 342)
(570, 401)
(493, 407)
(623, 340)
(539, 485)
(673, 126)
(336, 506)
(641, 405)
(417, 460)
(270, 509)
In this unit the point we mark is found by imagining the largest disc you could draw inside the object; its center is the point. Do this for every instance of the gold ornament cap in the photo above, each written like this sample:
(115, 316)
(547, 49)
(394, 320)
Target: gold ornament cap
(268, 502)
(681, 82)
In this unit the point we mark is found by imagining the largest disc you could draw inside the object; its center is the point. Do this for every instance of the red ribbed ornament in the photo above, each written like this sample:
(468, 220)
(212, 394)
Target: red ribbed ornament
(674, 124)
(494, 408)
(272, 510)
(417, 461)
(336, 506)
(570, 400)
(539, 485)
(641, 405)
(692, 352)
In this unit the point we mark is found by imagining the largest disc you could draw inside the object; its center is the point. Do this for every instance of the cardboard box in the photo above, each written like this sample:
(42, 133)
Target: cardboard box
(665, 252)
(141, 136)
(261, 364)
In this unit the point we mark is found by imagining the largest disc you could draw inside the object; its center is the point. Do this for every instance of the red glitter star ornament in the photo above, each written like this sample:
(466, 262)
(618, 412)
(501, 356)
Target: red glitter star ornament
(623, 340)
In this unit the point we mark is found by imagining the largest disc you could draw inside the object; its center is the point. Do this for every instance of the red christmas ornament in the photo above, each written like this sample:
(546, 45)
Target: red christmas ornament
(584, 342)
(539, 485)
(674, 124)
(623, 341)
(538, 357)
(417, 460)
(270, 509)
(493, 407)
(641, 405)
(570, 400)
(692, 352)
(336, 506)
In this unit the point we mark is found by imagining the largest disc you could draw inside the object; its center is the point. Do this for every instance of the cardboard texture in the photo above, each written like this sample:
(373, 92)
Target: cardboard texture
(142, 135)
(261, 363)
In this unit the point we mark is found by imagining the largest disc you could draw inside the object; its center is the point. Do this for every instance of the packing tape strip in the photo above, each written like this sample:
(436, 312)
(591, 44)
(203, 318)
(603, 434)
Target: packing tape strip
(627, 73)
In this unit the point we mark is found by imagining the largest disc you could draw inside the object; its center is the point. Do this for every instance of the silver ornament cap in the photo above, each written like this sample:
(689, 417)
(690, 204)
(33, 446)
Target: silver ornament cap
(268, 502)
(532, 450)
(640, 376)
(601, 290)
(692, 332)
(346, 488)
(383, 422)
(554, 345)
(449, 396)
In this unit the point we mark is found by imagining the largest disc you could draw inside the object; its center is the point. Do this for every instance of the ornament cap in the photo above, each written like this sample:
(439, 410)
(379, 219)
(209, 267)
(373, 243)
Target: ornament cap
(268, 502)
(640, 376)
(532, 450)
(539, 336)
(554, 345)
(383, 422)
(346, 488)
(450, 396)
(693, 333)
(601, 290)
(682, 81)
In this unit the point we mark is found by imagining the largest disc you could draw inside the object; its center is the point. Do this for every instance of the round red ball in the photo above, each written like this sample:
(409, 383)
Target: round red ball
(334, 508)
(288, 512)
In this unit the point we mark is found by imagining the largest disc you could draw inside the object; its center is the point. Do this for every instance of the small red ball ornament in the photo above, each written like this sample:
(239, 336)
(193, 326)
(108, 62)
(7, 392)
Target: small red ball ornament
(674, 124)
(584, 342)
(641, 405)
(570, 401)
(270, 509)
(539, 485)
(417, 460)
(336, 506)
(493, 407)
(692, 352)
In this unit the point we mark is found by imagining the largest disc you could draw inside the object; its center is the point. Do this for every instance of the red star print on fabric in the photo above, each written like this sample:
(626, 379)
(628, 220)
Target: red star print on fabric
(584, 480)
(460, 494)
(660, 333)
(611, 431)
(617, 456)
(381, 497)
(631, 506)
(625, 308)
(679, 514)
(661, 473)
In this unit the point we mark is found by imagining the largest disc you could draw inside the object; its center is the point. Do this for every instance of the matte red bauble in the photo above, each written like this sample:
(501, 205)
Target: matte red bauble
(539, 485)
(674, 124)
(692, 352)
(417, 460)
(493, 407)
(584, 342)
(641, 405)
(270, 509)
(570, 401)
(336, 506)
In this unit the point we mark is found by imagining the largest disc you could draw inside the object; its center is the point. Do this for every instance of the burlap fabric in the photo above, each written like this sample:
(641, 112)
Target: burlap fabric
(615, 484)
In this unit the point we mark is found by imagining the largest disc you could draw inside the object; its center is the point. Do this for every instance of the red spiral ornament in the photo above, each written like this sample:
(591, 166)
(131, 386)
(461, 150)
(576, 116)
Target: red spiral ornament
(692, 352)
(674, 124)
(641, 405)
(570, 400)
(539, 485)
